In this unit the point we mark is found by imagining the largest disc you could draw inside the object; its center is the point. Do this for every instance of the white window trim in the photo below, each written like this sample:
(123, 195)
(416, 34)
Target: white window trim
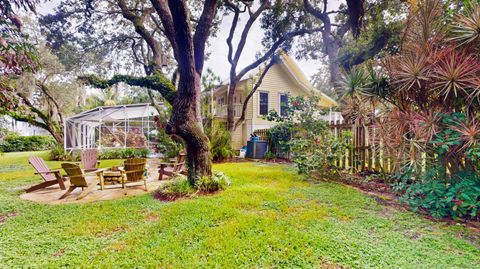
(268, 103)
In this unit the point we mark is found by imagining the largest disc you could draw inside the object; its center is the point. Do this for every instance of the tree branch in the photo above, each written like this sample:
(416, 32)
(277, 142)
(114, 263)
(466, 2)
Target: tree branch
(246, 30)
(23, 118)
(236, 15)
(274, 47)
(202, 32)
(156, 82)
(254, 89)
(161, 6)
(45, 91)
(138, 23)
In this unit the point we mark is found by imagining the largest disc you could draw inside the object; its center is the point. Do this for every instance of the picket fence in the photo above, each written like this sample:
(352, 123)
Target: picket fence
(365, 151)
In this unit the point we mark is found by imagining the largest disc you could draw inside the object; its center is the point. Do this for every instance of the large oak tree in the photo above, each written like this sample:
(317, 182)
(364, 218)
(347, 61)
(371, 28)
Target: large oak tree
(153, 31)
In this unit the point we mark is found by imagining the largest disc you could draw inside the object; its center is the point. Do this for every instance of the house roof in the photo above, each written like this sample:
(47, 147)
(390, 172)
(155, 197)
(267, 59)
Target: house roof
(297, 74)
(101, 114)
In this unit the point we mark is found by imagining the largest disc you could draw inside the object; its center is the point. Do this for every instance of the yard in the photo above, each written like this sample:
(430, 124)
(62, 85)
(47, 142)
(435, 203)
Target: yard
(268, 218)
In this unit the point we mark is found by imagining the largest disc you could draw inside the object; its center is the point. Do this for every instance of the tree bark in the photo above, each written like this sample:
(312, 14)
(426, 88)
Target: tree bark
(186, 121)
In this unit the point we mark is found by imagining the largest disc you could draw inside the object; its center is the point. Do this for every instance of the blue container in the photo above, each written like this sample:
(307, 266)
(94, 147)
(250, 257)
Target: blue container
(256, 149)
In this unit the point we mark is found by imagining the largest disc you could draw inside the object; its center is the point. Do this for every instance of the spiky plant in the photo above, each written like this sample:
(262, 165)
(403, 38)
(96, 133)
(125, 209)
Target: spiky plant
(466, 27)
(457, 71)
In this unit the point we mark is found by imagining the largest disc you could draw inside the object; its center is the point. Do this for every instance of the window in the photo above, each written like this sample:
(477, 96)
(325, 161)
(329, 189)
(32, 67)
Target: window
(263, 102)
(283, 104)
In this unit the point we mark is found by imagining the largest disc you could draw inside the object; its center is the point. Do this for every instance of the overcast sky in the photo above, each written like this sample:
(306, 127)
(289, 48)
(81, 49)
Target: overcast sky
(218, 46)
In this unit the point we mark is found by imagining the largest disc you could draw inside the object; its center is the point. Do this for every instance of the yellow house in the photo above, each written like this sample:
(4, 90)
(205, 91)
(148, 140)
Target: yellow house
(282, 80)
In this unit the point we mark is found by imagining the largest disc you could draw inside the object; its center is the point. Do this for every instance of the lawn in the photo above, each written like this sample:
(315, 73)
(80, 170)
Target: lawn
(268, 218)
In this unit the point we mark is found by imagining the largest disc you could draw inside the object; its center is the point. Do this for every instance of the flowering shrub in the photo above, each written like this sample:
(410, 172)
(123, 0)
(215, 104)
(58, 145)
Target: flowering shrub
(314, 148)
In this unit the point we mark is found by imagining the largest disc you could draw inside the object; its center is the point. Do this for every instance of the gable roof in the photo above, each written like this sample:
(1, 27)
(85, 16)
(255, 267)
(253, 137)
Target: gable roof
(292, 68)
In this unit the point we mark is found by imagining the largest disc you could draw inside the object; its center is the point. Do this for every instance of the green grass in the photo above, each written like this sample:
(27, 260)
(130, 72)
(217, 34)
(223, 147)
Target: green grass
(268, 218)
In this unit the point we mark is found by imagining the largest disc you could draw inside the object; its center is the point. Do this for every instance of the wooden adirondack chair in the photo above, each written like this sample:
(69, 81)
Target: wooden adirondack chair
(134, 170)
(77, 180)
(51, 177)
(174, 167)
(89, 159)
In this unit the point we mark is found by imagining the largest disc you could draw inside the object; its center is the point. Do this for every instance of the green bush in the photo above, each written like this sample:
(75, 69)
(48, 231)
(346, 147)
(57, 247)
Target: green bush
(123, 153)
(279, 137)
(178, 187)
(58, 153)
(218, 181)
(166, 145)
(220, 143)
(314, 147)
(14, 142)
(457, 196)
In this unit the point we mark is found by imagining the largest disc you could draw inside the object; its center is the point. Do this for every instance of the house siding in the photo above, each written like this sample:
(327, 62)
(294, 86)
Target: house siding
(276, 82)
(281, 78)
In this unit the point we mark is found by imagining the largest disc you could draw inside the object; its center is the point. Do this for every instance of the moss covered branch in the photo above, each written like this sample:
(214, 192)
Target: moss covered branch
(156, 82)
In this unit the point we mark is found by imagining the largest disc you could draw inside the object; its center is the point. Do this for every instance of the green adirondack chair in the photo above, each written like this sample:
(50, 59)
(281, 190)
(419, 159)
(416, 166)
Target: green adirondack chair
(77, 180)
(134, 170)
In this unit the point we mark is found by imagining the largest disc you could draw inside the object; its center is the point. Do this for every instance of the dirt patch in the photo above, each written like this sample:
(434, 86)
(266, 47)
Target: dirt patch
(329, 265)
(59, 253)
(151, 218)
(4, 217)
(170, 197)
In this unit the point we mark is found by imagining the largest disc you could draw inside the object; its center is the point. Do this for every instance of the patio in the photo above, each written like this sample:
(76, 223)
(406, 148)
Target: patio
(51, 194)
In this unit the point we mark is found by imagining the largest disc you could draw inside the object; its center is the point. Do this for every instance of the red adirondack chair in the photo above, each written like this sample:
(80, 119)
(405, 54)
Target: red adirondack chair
(51, 177)
(175, 166)
(89, 159)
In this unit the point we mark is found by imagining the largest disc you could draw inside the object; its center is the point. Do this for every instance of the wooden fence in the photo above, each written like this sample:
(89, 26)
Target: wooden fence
(366, 147)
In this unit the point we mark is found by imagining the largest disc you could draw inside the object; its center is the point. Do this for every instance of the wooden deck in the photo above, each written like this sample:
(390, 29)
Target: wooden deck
(51, 194)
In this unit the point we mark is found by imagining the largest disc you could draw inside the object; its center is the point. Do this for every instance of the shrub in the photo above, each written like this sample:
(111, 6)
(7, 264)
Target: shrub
(269, 155)
(180, 187)
(165, 143)
(220, 143)
(457, 196)
(123, 153)
(177, 188)
(313, 146)
(58, 153)
(218, 181)
(14, 142)
(279, 137)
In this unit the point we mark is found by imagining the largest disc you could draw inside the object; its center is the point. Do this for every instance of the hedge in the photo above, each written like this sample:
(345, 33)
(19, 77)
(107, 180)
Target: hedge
(13, 143)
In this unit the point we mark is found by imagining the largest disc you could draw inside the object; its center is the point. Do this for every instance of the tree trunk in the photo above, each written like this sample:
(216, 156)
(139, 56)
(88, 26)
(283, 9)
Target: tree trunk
(58, 137)
(186, 123)
(231, 106)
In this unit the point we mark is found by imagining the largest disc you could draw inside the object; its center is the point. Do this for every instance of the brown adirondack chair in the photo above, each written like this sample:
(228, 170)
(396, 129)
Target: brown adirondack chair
(134, 170)
(51, 177)
(89, 159)
(174, 167)
(77, 180)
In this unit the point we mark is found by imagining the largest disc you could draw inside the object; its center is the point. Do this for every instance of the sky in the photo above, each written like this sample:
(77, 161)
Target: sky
(218, 48)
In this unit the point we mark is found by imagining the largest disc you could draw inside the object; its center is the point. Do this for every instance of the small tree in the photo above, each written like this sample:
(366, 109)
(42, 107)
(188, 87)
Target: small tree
(314, 148)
